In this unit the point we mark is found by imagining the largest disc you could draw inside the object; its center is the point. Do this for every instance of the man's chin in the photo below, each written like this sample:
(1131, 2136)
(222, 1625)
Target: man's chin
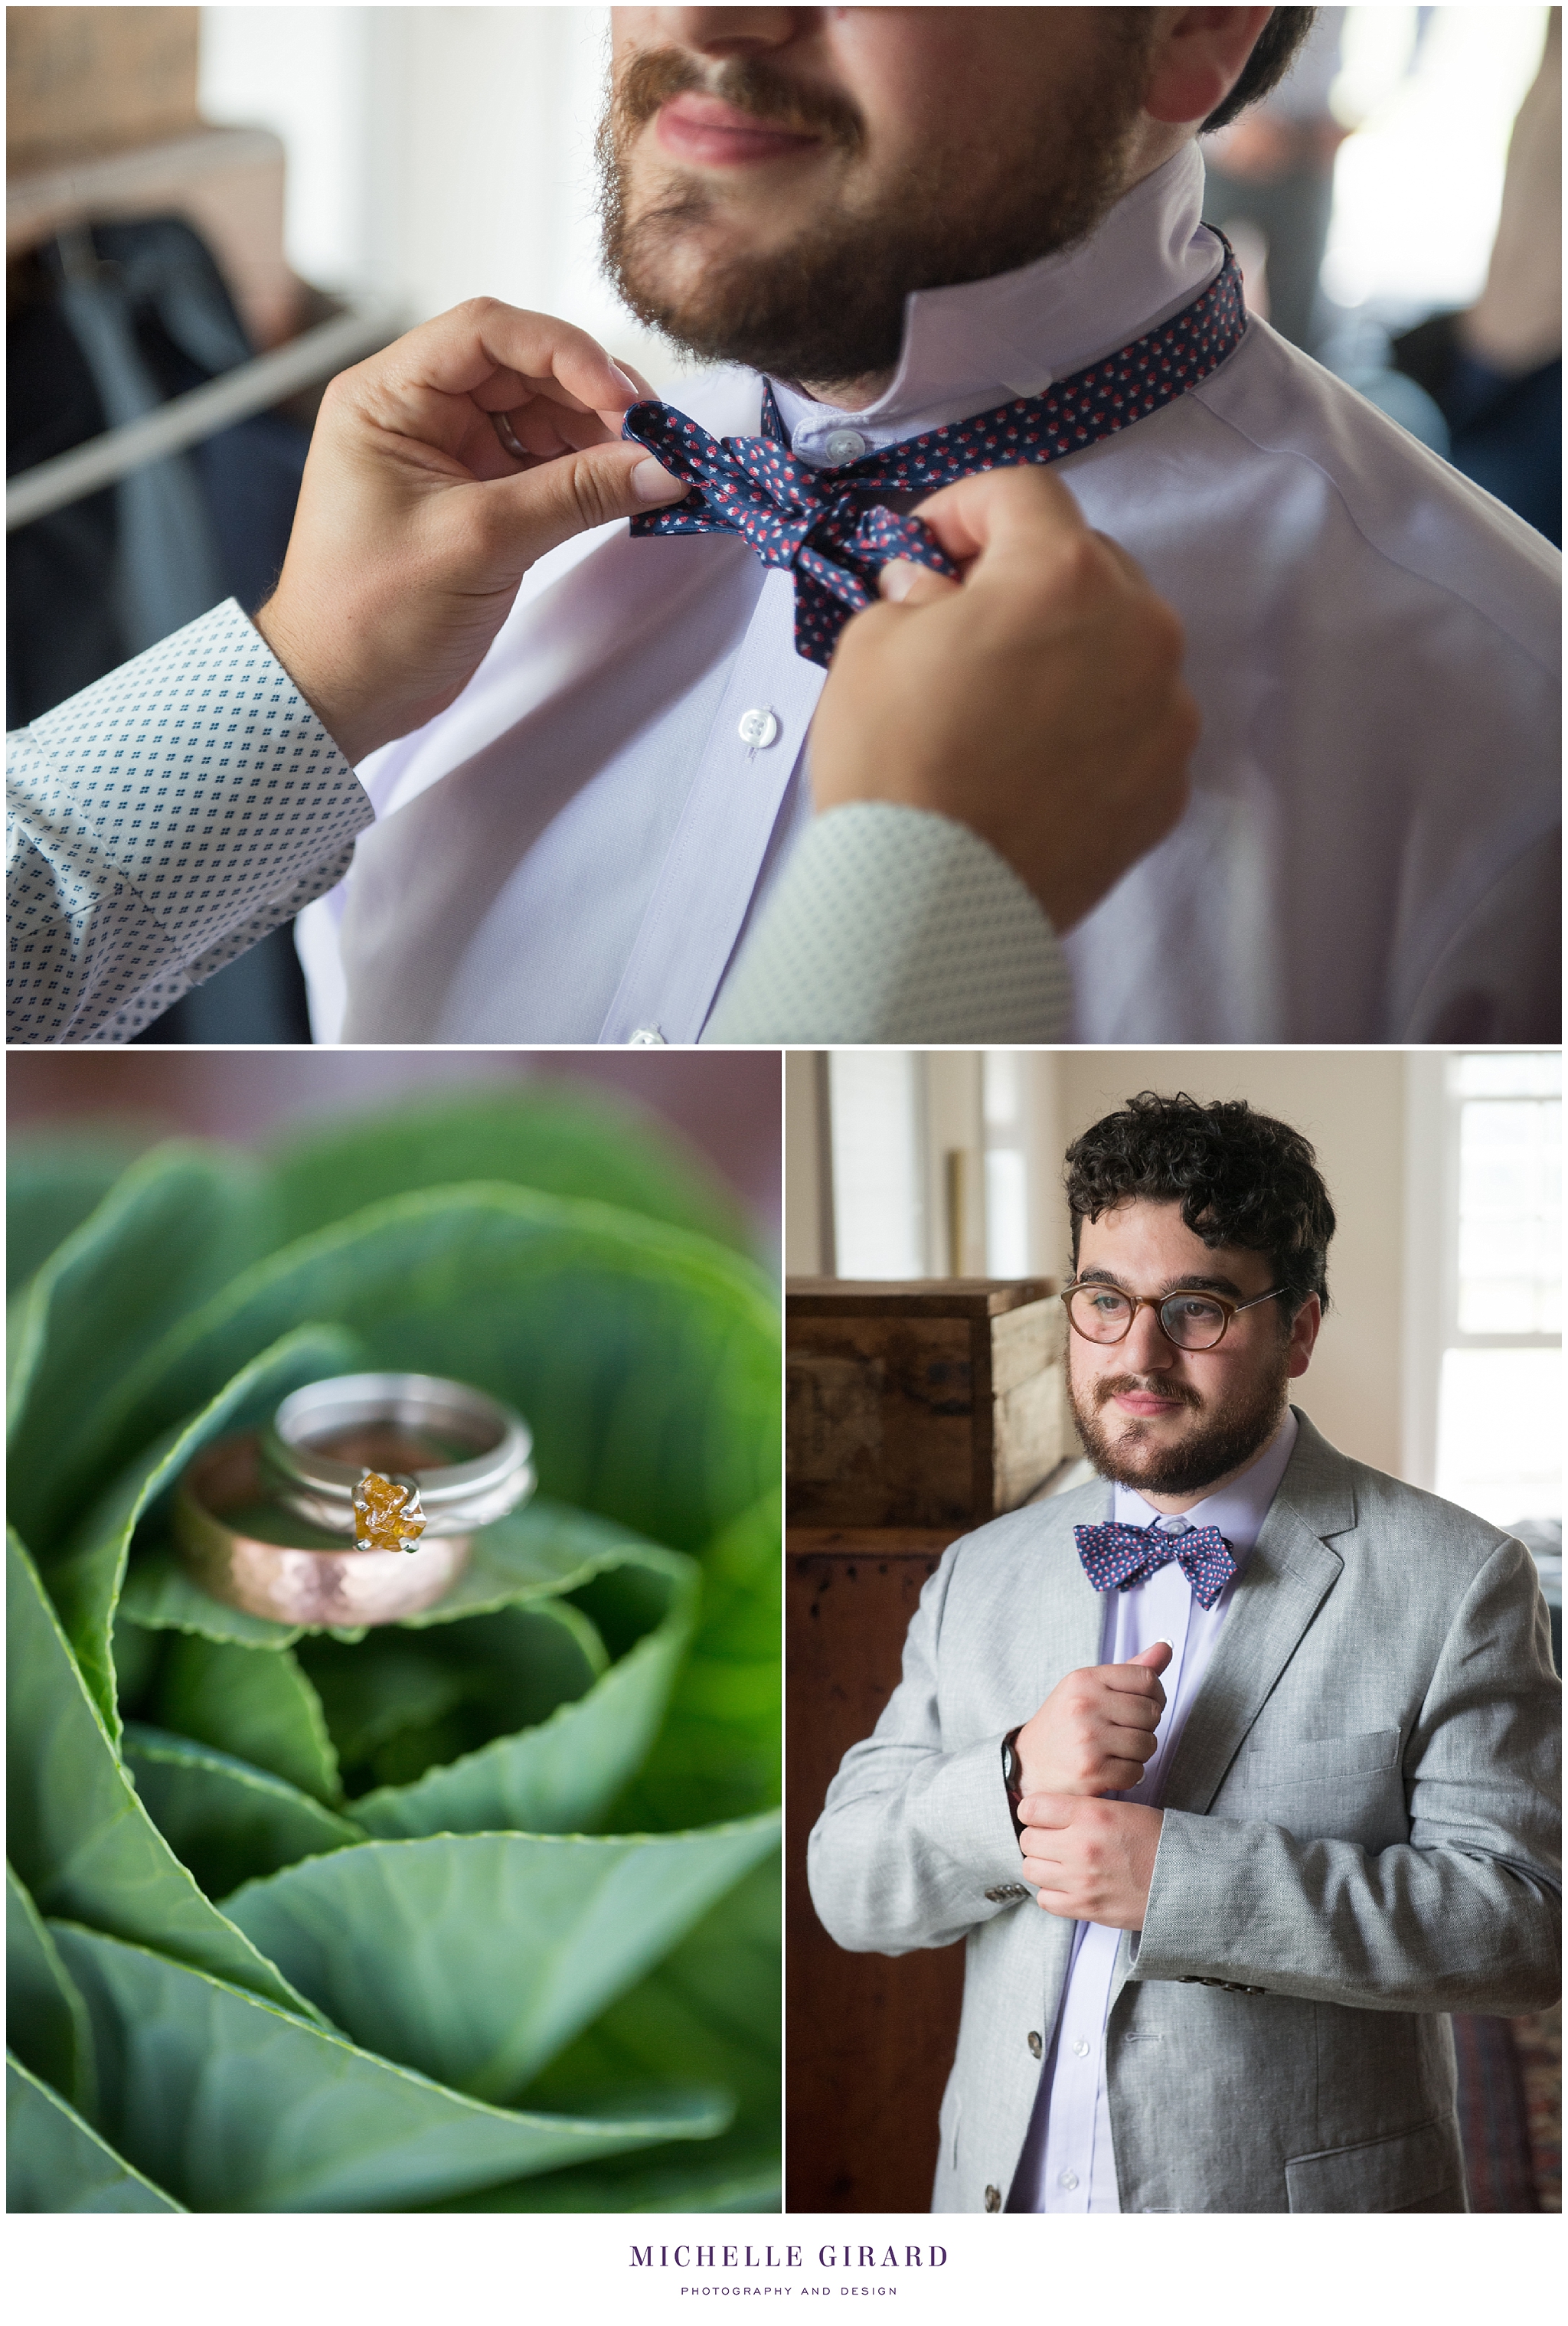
(1181, 1458)
(1137, 1452)
(690, 229)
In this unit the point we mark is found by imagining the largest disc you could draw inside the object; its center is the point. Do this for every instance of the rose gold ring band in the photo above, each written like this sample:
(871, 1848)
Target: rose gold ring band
(332, 1586)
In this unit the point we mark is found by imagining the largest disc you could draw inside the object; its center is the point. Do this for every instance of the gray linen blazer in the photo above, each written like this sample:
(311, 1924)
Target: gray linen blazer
(1360, 1821)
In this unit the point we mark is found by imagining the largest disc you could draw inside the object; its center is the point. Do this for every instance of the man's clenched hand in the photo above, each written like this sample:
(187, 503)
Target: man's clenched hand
(1039, 700)
(1096, 1729)
(414, 528)
(1091, 1861)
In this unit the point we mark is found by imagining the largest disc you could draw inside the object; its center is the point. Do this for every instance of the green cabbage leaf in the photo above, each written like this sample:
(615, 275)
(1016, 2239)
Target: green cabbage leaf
(475, 1911)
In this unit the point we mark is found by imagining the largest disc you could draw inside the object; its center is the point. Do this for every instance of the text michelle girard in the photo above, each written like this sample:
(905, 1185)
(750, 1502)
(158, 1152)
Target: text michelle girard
(742, 2257)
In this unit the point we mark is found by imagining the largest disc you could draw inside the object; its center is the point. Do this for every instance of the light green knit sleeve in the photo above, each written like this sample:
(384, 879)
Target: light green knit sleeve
(893, 924)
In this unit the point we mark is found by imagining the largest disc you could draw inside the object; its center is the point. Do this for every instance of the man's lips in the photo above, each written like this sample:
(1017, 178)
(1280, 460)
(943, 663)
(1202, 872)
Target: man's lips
(716, 135)
(1140, 1402)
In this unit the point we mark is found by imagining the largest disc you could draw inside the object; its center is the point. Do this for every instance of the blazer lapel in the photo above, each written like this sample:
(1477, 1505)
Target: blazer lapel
(1290, 1573)
(1067, 1624)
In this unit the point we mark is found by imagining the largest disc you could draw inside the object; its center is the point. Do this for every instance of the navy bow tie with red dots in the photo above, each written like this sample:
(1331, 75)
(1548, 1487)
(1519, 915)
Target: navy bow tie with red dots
(829, 525)
(1115, 1556)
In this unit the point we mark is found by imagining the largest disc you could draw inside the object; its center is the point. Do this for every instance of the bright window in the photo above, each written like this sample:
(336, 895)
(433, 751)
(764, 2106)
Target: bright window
(875, 1105)
(1006, 1171)
(1489, 1141)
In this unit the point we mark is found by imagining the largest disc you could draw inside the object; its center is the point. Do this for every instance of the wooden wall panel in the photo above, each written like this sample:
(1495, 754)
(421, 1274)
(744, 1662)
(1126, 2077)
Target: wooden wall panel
(869, 2038)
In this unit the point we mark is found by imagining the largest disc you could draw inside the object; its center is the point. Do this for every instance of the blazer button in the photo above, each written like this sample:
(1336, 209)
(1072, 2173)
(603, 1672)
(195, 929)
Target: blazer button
(1036, 2045)
(993, 2201)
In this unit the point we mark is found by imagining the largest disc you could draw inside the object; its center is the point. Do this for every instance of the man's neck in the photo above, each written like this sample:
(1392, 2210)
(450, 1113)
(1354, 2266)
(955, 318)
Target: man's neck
(1152, 146)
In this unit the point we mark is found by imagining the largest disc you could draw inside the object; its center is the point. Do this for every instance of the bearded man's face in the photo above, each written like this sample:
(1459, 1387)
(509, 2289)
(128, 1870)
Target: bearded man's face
(1168, 1421)
(776, 181)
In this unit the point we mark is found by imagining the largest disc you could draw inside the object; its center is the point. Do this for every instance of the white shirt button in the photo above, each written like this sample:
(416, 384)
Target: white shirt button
(844, 445)
(1080, 2049)
(647, 1038)
(1069, 2180)
(758, 728)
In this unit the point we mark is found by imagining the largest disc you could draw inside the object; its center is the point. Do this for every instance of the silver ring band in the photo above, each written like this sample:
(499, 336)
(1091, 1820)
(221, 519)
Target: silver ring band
(411, 1427)
(502, 424)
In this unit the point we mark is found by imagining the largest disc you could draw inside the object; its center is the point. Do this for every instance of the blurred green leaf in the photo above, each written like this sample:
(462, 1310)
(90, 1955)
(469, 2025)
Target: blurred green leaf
(561, 1776)
(250, 1702)
(79, 1837)
(45, 2018)
(169, 1233)
(160, 1597)
(575, 1144)
(55, 2162)
(238, 2107)
(228, 1821)
(719, 1752)
(54, 1181)
(399, 1701)
(546, 1546)
(85, 1582)
(714, 2009)
(646, 1361)
(475, 1958)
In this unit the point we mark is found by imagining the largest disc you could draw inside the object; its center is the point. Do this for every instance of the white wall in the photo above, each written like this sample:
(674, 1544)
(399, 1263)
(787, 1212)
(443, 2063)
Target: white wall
(433, 152)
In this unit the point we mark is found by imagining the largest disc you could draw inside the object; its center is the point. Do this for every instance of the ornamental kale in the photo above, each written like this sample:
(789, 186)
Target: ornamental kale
(478, 1911)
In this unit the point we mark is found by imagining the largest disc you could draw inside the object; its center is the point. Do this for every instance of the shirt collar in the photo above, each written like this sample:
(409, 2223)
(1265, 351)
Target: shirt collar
(1238, 1510)
(969, 347)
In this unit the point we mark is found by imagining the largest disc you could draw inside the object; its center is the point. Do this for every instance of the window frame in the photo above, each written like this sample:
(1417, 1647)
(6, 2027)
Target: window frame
(1432, 1114)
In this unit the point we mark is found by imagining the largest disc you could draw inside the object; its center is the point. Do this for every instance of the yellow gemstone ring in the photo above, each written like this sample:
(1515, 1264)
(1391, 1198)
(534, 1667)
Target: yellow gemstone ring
(407, 1466)
(236, 1541)
(391, 1458)
(388, 1513)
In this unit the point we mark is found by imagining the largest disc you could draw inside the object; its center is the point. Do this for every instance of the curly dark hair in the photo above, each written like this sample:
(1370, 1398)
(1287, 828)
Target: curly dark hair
(1273, 53)
(1240, 1177)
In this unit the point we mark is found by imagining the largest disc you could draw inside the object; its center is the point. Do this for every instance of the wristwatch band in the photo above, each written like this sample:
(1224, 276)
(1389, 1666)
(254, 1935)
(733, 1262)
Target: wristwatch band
(1013, 1777)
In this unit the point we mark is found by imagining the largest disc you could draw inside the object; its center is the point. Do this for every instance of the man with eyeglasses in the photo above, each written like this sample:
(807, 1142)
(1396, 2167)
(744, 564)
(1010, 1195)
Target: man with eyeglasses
(1236, 1769)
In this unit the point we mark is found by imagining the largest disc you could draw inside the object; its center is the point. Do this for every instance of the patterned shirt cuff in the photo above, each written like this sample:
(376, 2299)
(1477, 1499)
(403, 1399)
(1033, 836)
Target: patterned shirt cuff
(893, 925)
(161, 823)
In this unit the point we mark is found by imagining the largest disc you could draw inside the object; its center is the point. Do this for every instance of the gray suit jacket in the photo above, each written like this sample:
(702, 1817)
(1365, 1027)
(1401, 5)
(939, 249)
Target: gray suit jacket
(1360, 1820)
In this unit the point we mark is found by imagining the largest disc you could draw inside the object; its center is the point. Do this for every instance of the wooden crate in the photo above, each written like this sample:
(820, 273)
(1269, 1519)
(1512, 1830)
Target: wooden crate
(932, 1404)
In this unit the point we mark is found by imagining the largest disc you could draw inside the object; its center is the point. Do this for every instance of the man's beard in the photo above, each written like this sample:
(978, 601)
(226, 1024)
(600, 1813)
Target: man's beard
(1233, 1429)
(829, 307)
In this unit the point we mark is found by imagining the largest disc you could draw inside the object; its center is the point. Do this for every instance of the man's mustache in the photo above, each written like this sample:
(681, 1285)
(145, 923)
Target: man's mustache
(1134, 1385)
(651, 77)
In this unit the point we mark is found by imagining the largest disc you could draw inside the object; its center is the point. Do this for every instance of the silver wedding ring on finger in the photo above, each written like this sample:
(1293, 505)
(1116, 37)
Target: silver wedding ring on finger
(501, 422)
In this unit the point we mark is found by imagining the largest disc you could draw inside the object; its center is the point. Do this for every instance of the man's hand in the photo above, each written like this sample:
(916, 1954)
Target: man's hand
(1039, 700)
(1096, 1729)
(414, 528)
(1091, 1861)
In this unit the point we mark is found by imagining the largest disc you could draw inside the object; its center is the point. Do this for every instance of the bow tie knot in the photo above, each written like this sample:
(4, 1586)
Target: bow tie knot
(833, 528)
(825, 525)
(1116, 1556)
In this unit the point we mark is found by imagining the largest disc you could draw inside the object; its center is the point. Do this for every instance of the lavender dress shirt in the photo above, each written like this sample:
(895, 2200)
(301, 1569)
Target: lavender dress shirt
(1068, 2164)
(578, 849)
